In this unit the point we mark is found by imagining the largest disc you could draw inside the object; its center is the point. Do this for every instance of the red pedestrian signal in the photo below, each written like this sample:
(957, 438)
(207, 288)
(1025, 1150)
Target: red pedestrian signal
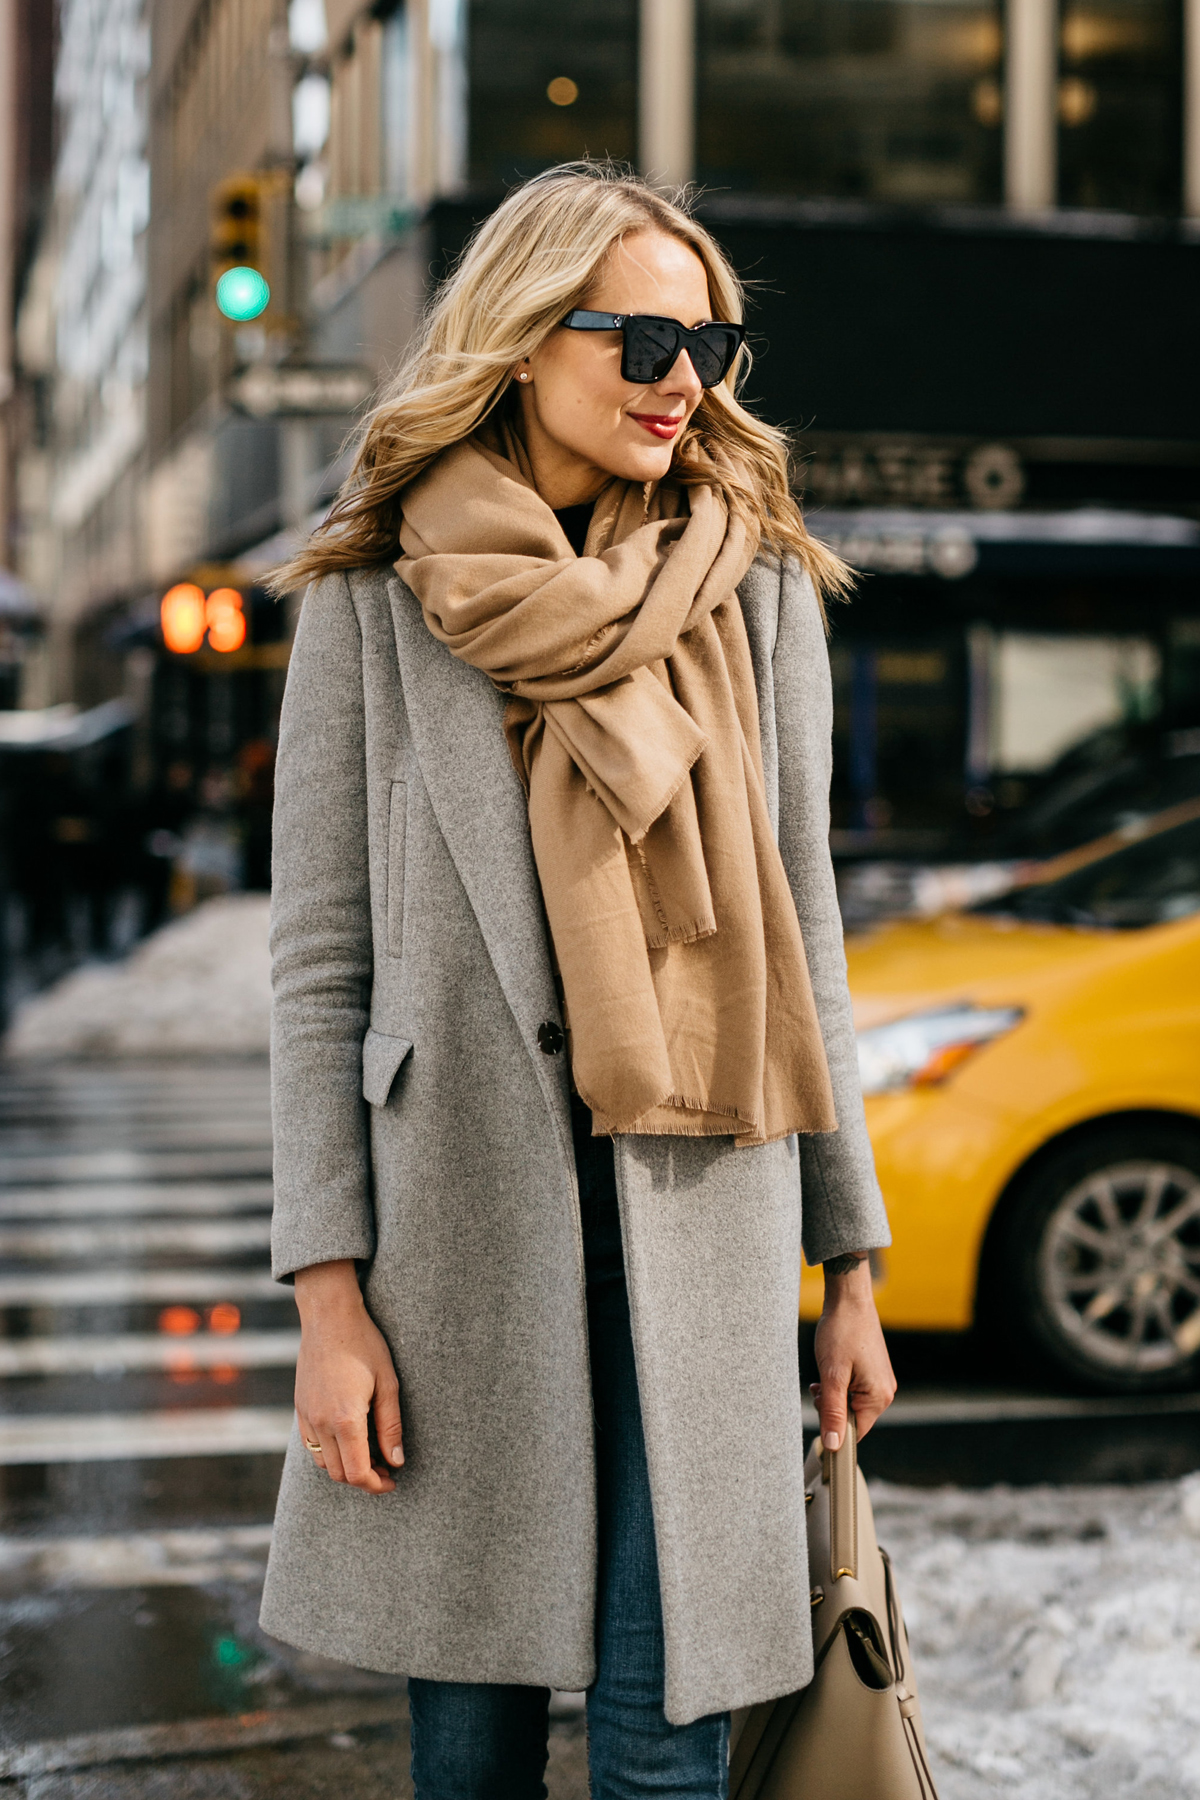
(226, 619)
(183, 621)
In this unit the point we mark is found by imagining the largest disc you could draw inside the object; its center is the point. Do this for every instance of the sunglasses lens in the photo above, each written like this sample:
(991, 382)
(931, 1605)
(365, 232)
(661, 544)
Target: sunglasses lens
(712, 352)
(651, 346)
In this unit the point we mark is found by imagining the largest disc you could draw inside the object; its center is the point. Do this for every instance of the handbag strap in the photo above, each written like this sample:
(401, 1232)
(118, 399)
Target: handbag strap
(841, 1475)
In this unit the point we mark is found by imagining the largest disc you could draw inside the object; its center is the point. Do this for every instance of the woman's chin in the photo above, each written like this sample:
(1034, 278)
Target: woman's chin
(641, 462)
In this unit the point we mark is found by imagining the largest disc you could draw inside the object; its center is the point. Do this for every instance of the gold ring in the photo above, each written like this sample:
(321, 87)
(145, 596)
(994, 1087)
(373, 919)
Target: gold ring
(309, 1445)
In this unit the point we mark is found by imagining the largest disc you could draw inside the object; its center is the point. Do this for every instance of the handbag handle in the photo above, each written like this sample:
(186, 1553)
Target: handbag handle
(841, 1477)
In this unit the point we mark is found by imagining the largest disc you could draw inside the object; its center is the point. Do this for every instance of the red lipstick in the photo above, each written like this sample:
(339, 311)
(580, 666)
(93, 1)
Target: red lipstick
(659, 425)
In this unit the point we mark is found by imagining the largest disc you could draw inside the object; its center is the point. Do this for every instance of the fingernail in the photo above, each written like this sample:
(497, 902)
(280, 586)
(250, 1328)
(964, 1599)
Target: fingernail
(832, 1440)
(398, 1455)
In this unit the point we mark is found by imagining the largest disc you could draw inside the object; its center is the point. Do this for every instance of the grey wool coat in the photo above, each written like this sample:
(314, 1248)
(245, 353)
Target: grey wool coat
(420, 1129)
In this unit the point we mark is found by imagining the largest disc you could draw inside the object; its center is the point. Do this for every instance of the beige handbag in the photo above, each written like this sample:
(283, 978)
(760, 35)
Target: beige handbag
(855, 1732)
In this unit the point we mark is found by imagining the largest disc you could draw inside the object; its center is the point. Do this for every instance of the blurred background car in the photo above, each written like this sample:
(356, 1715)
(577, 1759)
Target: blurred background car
(1031, 1068)
(1111, 780)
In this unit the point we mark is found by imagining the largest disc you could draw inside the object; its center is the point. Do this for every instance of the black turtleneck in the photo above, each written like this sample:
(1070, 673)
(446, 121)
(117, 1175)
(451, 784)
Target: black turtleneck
(575, 521)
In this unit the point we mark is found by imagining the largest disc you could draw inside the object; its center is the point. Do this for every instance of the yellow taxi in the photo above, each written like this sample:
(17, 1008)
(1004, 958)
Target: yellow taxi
(1031, 1069)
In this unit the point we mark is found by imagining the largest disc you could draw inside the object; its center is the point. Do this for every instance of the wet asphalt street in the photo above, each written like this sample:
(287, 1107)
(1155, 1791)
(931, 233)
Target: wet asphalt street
(145, 1400)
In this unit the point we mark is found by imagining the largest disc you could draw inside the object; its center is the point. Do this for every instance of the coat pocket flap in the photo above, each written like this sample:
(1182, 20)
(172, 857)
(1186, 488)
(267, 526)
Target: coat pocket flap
(381, 1058)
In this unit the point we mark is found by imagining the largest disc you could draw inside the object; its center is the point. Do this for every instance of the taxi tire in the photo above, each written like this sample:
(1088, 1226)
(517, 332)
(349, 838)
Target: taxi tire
(1013, 1302)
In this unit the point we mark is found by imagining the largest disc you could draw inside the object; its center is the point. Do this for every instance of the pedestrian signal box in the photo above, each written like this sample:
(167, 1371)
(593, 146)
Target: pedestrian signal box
(187, 618)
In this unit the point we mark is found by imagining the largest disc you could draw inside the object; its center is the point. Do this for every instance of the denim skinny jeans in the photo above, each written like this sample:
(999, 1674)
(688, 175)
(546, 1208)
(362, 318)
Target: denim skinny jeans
(487, 1740)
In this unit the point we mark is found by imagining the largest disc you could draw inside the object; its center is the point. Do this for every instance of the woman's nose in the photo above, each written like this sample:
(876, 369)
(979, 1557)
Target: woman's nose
(681, 378)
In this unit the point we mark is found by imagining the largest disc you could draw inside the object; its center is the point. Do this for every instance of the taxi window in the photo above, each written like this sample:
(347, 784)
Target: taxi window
(1147, 883)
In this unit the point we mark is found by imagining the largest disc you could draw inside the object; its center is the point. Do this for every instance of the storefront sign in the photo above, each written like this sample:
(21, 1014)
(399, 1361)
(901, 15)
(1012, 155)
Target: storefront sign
(985, 477)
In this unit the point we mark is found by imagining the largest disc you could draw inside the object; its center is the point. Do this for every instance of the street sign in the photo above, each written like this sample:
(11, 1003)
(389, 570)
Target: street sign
(359, 216)
(270, 390)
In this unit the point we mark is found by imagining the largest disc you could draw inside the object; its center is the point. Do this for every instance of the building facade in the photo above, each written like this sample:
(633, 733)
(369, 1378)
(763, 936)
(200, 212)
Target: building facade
(81, 338)
(27, 46)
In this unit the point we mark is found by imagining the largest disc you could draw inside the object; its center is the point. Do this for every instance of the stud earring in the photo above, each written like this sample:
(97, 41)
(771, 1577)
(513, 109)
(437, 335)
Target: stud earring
(522, 376)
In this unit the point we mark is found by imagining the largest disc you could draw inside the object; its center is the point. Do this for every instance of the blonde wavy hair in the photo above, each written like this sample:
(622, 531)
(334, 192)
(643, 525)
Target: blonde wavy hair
(528, 265)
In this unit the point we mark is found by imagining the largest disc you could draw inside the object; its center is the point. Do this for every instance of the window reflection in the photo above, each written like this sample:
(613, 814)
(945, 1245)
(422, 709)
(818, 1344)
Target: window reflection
(893, 100)
(550, 82)
(1120, 104)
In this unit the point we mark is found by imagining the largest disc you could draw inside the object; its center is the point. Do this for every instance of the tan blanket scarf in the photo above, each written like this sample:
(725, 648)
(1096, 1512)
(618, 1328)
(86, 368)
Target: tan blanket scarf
(633, 723)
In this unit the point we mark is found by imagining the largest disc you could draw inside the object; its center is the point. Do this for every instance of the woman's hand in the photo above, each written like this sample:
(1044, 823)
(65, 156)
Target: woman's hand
(345, 1372)
(852, 1358)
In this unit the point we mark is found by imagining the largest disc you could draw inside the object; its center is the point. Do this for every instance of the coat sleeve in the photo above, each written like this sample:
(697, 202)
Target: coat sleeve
(843, 1208)
(321, 945)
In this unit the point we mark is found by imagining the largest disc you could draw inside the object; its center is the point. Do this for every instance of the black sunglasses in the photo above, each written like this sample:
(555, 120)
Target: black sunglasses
(653, 344)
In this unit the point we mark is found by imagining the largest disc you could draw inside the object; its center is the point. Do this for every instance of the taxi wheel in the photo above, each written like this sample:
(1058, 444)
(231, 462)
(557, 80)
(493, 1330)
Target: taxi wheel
(1100, 1249)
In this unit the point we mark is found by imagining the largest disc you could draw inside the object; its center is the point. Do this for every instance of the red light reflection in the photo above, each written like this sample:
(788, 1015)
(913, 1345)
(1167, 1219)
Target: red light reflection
(178, 1321)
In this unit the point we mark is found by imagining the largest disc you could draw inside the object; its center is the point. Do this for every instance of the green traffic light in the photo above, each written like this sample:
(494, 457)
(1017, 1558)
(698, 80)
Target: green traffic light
(242, 294)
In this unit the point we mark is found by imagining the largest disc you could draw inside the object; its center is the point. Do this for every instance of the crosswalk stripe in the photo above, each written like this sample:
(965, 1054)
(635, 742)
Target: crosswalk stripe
(173, 1127)
(185, 1558)
(117, 1198)
(110, 1437)
(144, 1350)
(198, 1237)
(134, 1165)
(198, 1137)
(115, 1287)
(145, 1100)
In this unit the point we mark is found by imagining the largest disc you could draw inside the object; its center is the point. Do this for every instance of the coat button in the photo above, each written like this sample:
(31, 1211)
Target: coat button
(550, 1038)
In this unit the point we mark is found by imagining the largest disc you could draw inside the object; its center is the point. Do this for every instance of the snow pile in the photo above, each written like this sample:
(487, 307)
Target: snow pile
(1056, 1636)
(199, 987)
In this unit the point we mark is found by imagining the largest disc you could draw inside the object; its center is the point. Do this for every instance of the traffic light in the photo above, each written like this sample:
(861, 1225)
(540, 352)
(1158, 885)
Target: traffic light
(237, 248)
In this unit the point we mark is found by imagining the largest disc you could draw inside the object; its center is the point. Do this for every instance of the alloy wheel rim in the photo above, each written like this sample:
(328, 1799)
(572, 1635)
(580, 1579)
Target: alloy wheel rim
(1119, 1266)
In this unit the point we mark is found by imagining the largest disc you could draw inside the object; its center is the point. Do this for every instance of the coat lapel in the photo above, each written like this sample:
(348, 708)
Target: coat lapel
(456, 718)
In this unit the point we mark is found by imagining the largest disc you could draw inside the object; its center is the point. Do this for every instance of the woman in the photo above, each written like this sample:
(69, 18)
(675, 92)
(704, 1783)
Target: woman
(551, 1006)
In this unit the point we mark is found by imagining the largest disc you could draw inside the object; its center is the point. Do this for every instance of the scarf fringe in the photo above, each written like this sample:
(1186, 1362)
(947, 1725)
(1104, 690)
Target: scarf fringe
(682, 1103)
(748, 1137)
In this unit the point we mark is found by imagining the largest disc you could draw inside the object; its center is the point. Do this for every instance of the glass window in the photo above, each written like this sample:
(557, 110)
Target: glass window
(1120, 105)
(1050, 691)
(898, 732)
(550, 82)
(396, 106)
(896, 100)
